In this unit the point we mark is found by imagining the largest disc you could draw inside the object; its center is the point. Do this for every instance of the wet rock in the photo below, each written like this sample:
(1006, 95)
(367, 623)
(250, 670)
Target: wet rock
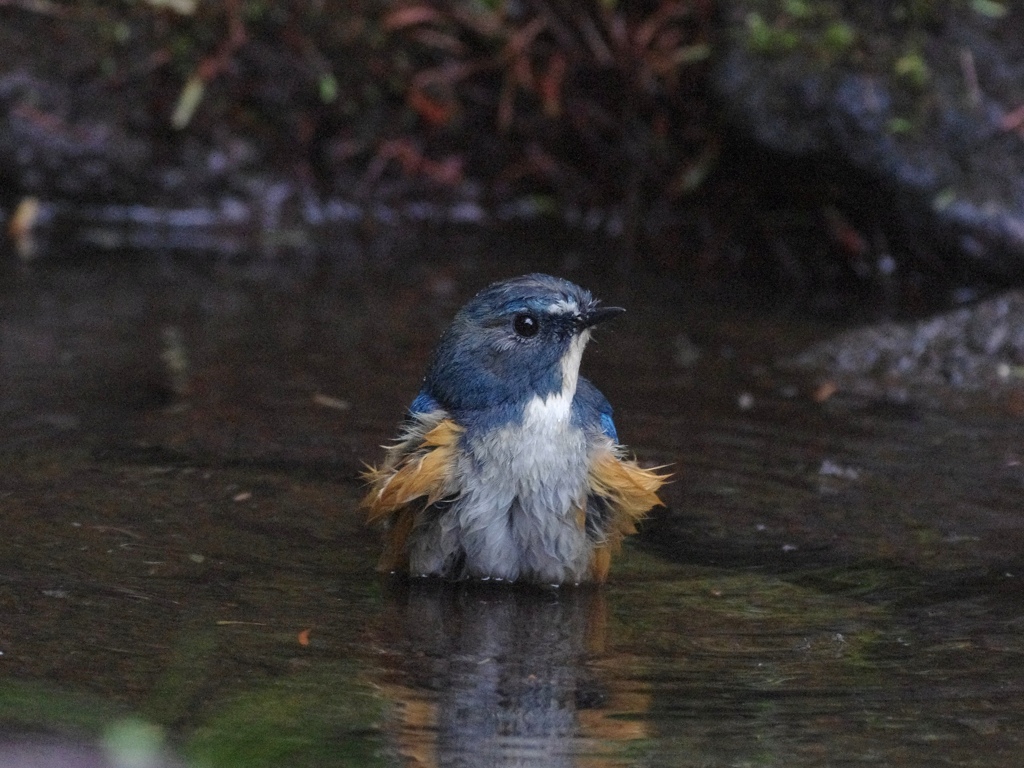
(925, 97)
(971, 348)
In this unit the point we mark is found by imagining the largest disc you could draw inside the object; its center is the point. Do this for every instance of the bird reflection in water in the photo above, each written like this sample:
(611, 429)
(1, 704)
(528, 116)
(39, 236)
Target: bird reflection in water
(500, 675)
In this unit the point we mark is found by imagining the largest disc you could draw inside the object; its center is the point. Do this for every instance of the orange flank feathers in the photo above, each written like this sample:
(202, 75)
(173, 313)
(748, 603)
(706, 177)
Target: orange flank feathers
(630, 491)
(417, 468)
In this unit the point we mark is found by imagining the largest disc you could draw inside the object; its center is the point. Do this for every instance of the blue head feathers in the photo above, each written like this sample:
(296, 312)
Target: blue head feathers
(516, 340)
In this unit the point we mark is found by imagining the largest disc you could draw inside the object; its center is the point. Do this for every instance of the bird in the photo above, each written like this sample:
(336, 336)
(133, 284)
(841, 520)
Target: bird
(508, 465)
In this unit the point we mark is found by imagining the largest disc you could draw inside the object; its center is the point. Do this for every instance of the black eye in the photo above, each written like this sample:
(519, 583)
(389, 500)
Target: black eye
(525, 325)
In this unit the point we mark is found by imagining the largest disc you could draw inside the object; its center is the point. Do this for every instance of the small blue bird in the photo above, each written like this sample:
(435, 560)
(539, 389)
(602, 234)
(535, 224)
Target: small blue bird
(509, 466)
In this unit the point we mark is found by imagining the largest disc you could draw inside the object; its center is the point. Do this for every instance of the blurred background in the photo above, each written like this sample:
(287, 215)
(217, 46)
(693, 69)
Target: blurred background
(231, 232)
(836, 150)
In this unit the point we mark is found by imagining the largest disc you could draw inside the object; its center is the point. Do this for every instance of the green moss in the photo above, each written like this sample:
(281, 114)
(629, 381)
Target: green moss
(839, 36)
(768, 38)
(38, 705)
(900, 126)
(799, 9)
(990, 8)
(912, 68)
(325, 717)
(328, 88)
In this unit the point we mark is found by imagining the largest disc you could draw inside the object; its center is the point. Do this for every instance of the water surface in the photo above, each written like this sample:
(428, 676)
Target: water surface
(184, 572)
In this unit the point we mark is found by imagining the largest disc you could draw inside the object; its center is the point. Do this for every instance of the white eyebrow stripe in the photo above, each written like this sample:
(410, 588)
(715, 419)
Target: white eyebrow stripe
(564, 307)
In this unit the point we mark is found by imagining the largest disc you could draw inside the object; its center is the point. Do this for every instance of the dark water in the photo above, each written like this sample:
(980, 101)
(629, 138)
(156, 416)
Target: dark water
(184, 576)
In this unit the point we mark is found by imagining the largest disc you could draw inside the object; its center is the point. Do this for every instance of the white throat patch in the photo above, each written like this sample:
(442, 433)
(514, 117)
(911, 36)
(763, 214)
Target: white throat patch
(555, 409)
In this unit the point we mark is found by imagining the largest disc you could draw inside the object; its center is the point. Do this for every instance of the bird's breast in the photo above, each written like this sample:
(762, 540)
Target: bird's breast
(524, 484)
(540, 460)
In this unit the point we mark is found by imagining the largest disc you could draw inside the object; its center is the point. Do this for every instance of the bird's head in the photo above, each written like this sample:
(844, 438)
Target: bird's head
(515, 341)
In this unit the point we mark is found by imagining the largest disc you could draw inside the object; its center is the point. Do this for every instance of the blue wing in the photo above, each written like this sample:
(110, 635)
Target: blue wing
(590, 407)
(424, 403)
(608, 425)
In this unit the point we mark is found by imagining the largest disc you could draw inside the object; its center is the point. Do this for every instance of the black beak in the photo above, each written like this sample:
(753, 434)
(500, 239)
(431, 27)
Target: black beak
(598, 315)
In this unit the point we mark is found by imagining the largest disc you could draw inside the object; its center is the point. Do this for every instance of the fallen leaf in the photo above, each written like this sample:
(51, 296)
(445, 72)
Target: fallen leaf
(824, 391)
